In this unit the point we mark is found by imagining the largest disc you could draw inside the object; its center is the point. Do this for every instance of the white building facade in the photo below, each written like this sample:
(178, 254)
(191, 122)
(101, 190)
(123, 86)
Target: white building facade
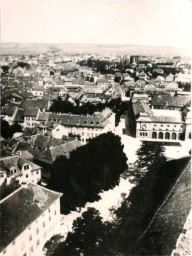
(41, 221)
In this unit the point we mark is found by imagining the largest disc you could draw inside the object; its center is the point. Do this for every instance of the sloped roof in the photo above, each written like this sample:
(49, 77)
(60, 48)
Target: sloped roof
(38, 103)
(8, 110)
(17, 162)
(28, 202)
(46, 141)
(162, 100)
(31, 112)
(141, 106)
(99, 120)
(19, 115)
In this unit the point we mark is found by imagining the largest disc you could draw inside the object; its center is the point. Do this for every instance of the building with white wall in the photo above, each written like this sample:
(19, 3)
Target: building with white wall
(84, 126)
(33, 220)
(15, 167)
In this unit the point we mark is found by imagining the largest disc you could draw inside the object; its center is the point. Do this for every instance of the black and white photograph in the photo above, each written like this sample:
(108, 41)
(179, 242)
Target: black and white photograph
(95, 144)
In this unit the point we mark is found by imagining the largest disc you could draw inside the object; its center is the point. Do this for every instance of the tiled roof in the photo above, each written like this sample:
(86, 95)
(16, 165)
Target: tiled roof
(8, 110)
(46, 141)
(19, 115)
(38, 103)
(31, 112)
(17, 162)
(28, 203)
(99, 120)
(141, 106)
(162, 100)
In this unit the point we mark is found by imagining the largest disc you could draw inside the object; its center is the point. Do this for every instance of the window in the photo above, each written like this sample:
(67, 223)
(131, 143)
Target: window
(4, 251)
(44, 224)
(38, 242)
(26, 167)
(27, 175)
(31, 249)
(30, 237)
(37, 172)
(37, 231)
(49, 218)
(55, 212)
(13, 243)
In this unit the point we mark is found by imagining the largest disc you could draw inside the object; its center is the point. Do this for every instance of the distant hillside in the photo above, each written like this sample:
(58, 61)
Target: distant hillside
(36, 48)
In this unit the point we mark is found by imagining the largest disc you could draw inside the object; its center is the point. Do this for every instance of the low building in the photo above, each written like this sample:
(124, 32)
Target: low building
(33, 220)
(15, 167)
(30, 117)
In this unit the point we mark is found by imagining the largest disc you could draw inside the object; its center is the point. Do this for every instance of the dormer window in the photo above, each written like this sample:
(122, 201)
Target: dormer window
(97, 122)
(85, 122)
(26, 167)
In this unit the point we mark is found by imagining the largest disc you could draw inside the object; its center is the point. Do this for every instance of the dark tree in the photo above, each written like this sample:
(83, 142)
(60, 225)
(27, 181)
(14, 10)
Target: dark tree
(150, 156)
(7, 130)
(92, 168)
(90, 236)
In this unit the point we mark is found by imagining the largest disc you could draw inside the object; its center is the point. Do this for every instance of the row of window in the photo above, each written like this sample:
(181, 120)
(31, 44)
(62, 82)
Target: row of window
(32, 173)
(166, 136)
(30, 118)
(143, 134)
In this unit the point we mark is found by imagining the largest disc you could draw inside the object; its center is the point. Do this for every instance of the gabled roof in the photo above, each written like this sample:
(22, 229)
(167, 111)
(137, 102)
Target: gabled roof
(96, 120)
(8, 110)
(141, 106)
(37, 103)
(28, 202)
(32, 112)
(167, 100)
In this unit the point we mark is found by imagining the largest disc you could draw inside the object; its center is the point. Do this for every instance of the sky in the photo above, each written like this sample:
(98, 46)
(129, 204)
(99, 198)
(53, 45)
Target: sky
(140, 22)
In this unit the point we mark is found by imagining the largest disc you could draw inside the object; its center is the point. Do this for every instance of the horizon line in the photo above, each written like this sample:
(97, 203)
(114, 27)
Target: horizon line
(117, 44)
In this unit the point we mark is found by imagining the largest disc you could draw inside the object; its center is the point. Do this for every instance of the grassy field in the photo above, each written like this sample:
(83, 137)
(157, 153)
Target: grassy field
(162, 234)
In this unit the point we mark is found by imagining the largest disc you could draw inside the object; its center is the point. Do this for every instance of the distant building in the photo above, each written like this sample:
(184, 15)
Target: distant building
(31, 216)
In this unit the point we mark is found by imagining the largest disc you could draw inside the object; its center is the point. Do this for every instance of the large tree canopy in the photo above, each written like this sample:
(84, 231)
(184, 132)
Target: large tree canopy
(149, 156)
(90, 236)
(92, 168)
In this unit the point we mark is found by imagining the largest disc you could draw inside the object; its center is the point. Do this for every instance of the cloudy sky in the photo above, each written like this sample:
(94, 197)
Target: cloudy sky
(142, 22)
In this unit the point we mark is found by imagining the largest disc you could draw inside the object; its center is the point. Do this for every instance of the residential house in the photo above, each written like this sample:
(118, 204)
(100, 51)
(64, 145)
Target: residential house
(30, 117)
(20, 169)
(37, 91)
